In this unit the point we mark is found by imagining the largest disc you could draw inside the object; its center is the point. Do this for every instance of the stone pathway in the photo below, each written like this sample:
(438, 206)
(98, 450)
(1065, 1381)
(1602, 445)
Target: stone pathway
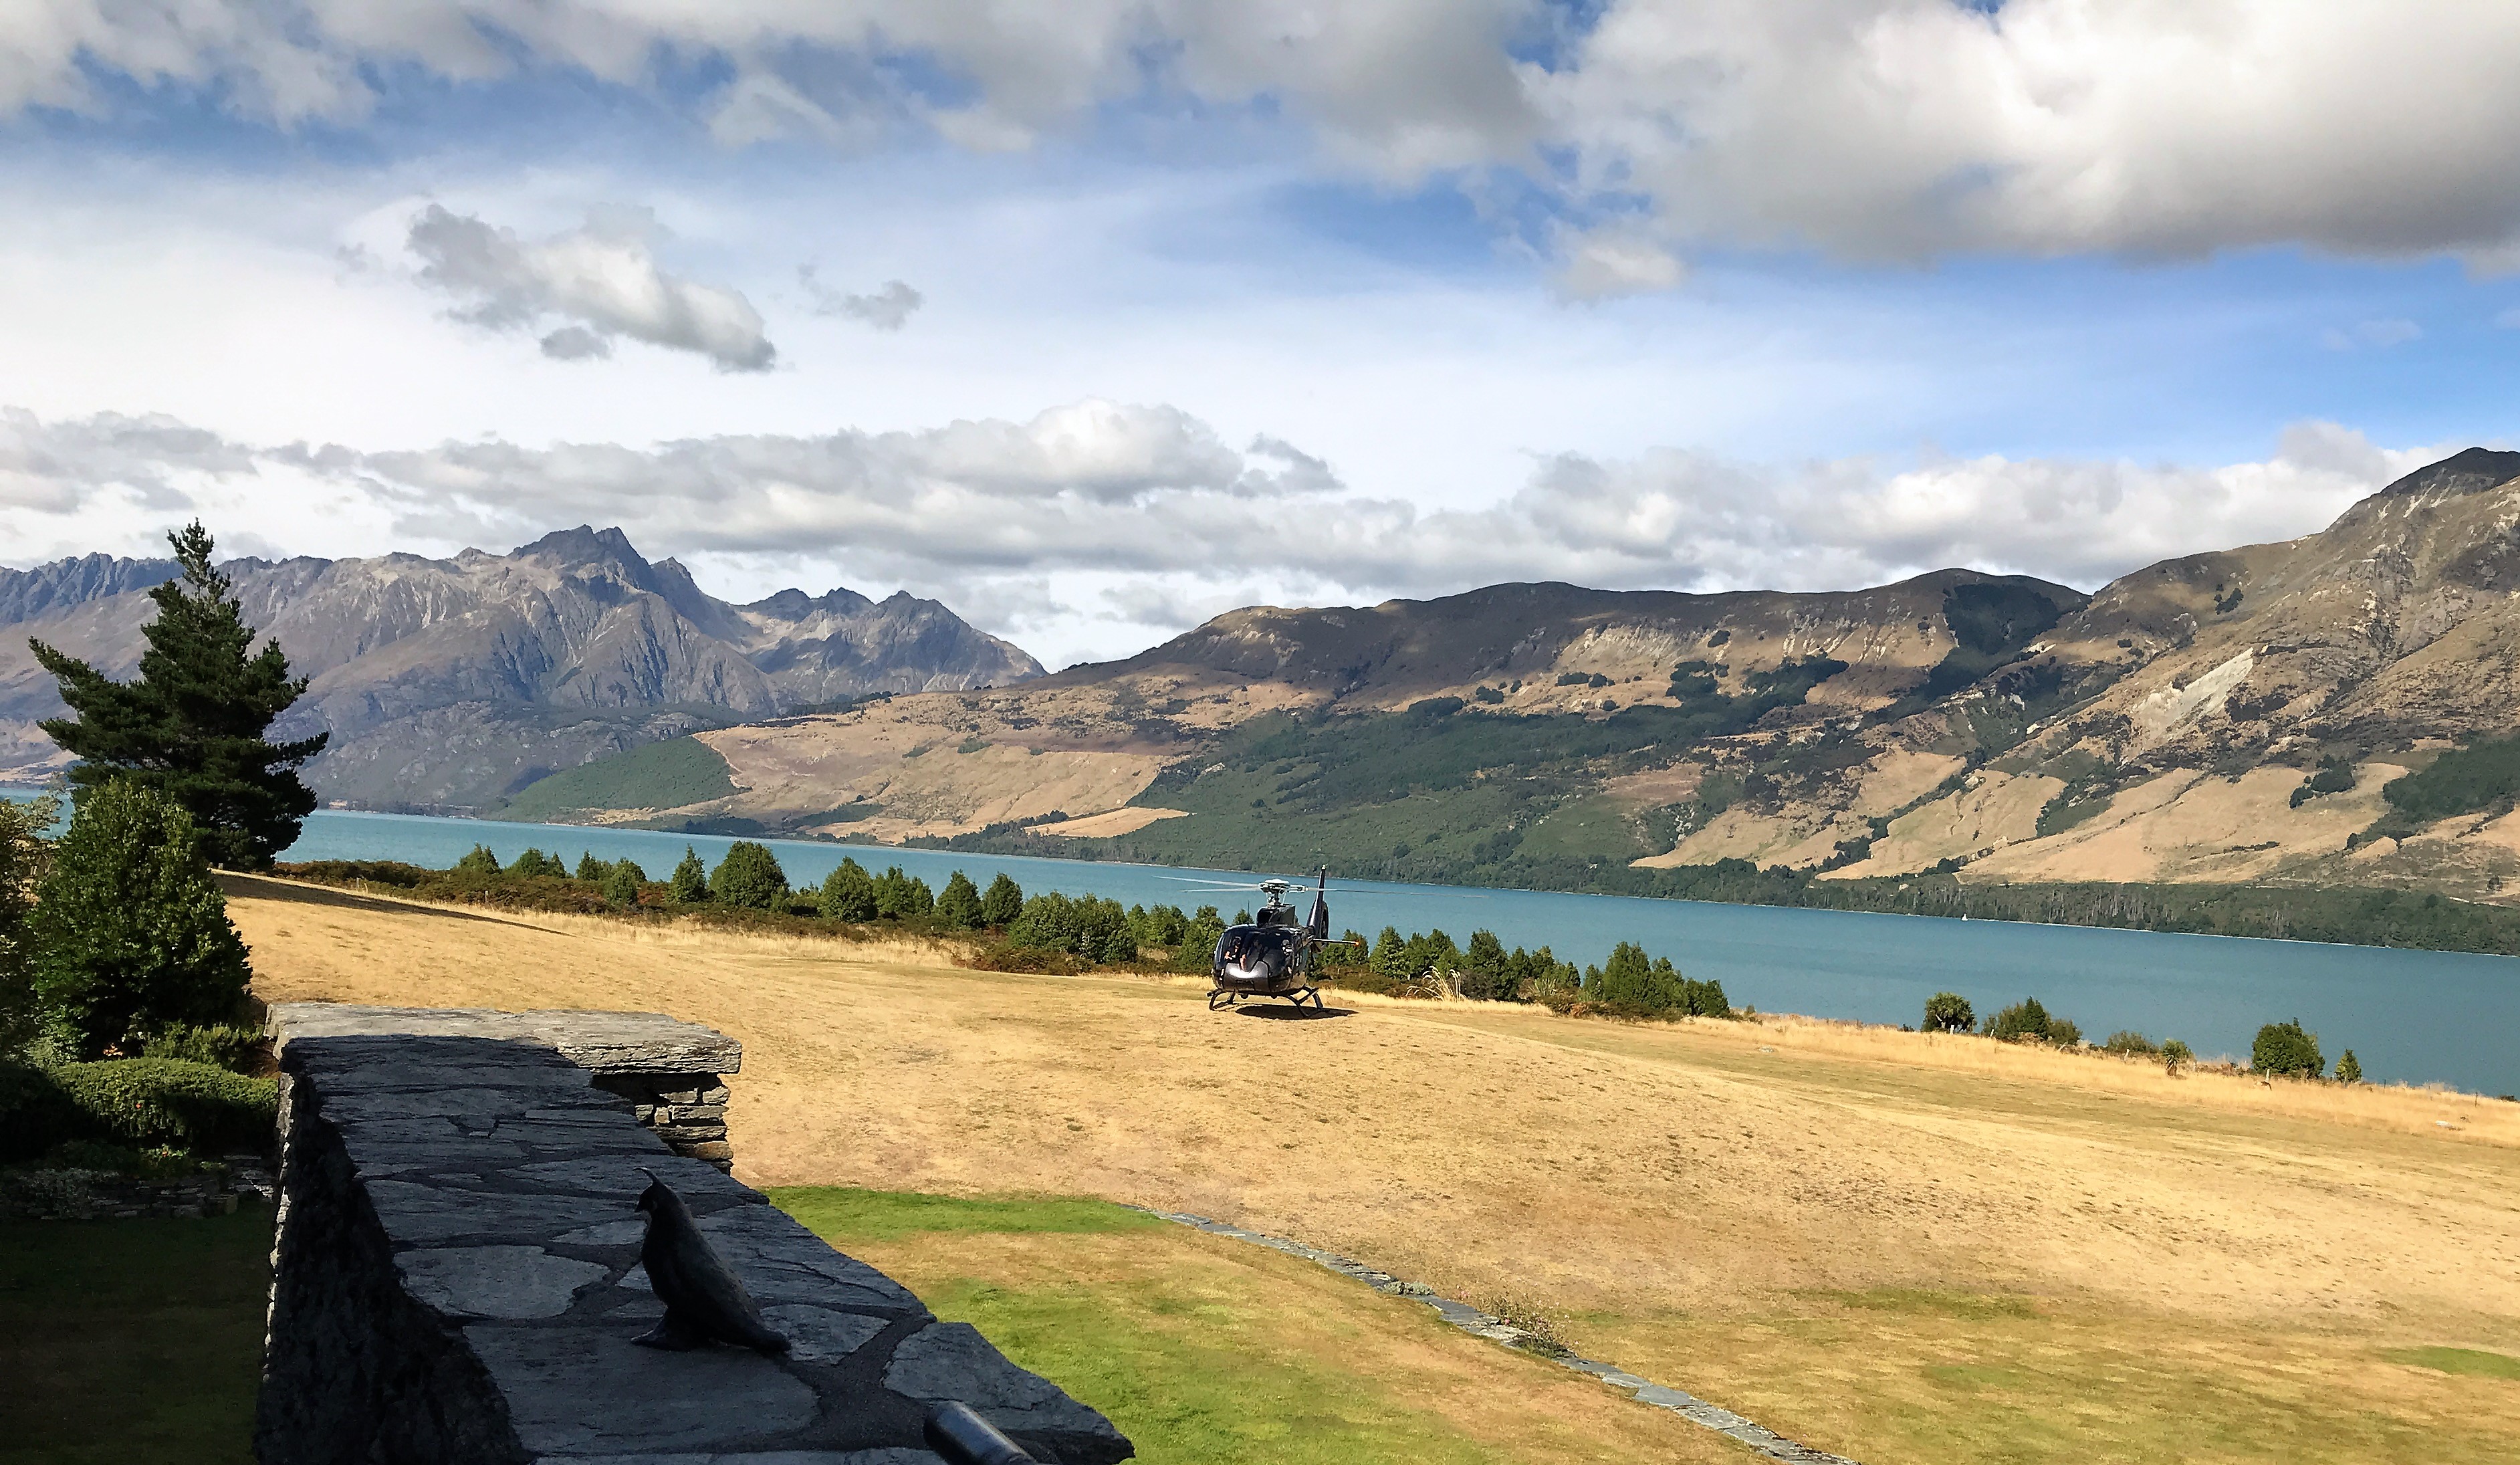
(1471, 1319)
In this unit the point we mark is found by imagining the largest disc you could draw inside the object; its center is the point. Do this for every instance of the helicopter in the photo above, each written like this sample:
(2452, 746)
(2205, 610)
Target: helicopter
(1271, 955)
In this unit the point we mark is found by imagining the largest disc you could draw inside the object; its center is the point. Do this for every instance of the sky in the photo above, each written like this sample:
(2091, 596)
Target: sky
(1095, 319)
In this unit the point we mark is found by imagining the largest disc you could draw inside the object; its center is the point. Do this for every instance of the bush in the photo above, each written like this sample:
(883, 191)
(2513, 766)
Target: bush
(1003, 902)
(2176, 1057)
(750, 878)
(225, 1045)
(1949, 1012)
(166, 1101)
(958, 908)
(2129, 1044)
(480, 862)
(2064, 1032)
(691, 879)
(22, 858)
(588, 868)
(34, 1114)
(534, 862)
(902, 898)
(848, 892)
(131, 934)
(2349, 1068)
(2024, 1020)
(621, 882)
(2287, 1048)
(630, 868)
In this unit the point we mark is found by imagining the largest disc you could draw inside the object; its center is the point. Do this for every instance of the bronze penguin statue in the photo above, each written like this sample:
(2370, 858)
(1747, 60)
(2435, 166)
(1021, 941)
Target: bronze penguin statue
(704, 1302)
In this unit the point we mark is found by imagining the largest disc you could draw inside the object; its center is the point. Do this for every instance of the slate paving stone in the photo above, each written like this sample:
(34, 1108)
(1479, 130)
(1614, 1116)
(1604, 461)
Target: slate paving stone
(416, 1214)
(585, 1390)
(821, 1335)
(495, 1281)
(608, 1175)
(948, 1360)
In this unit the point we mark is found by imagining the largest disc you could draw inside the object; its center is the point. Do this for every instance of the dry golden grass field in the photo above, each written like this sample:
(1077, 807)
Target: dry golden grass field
(1896, 1247)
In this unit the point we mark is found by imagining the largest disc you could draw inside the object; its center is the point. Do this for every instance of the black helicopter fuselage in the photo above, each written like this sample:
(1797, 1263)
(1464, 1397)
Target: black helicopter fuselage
(1270, 955)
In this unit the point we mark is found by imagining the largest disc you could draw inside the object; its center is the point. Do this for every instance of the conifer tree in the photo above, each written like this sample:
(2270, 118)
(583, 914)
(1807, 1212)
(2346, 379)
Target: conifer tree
(848, 892)
(958, 905)
(1003, 902)
(691, 879)
(193, 726)
(749, 876)
(130, 932)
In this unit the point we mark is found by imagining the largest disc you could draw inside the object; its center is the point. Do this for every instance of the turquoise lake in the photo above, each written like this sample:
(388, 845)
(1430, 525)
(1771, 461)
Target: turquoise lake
(2412, 1016)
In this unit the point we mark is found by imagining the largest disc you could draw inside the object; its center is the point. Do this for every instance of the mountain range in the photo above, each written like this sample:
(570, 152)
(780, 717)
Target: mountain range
(449, 683)
(2233, 716)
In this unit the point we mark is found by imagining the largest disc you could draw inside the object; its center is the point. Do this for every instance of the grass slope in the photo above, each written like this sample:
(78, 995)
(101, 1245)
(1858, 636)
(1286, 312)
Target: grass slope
(1210, 1352)
(660, 775)
(1898, 1247)
(132, 1339)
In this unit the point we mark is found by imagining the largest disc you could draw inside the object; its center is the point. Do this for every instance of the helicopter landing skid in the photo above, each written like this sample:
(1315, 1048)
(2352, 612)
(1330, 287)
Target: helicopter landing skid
(1219, 998)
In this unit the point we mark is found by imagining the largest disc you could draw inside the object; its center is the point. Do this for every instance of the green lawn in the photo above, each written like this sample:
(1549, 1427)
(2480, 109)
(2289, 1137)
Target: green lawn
(1203, 1349)
(131, 1341)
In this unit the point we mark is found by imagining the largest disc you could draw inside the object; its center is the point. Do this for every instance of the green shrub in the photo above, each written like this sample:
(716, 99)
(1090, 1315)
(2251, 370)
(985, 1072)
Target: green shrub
(2349, 1068)
(2176, 1057)
(24, 855)
(630, 867)
(131, 934)
(34, 1114)
(2064, 1032)
(904, 897)
(691, 879)
(480, 862)
(2287, 1048)
(2129, 1044)
(226, 1045)
(166, 1101)
(1003, 902)
(621, 882)
(588, 868)
(1949, 1012)
(534, 862)
(957, 906)
(748, 877)
(2024, 1020)
(848, 892)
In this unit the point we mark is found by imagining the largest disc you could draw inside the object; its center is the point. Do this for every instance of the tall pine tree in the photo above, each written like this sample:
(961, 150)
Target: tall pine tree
(193, 725)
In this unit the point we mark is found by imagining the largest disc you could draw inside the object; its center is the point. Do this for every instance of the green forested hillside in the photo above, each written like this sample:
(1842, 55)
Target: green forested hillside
(660, 775)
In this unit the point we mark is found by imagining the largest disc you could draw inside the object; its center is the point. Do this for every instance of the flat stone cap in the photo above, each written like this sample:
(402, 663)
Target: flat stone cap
(600, 1043)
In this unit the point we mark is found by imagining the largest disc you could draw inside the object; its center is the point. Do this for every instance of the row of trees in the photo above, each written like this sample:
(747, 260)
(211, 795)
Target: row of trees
(2283, 1048)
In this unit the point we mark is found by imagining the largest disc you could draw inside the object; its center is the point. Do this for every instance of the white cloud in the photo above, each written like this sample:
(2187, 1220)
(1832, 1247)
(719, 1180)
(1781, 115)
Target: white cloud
(601, 281)
(1614, 262)
(885, 309)
(1082, 528)
(2378, 334)
(1866, 128)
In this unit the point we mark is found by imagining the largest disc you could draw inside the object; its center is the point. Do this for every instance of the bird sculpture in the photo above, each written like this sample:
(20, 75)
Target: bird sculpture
(704, 1302)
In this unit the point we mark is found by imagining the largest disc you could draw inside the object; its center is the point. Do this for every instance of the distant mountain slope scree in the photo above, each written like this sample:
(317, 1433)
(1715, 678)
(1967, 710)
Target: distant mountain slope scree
(2258, 716)
(452, 683)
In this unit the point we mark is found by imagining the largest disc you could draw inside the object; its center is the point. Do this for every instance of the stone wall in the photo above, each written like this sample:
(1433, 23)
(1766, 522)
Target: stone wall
(457, 1278)
(671, 1070)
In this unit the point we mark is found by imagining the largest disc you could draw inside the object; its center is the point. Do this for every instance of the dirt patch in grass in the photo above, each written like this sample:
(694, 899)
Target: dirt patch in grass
(132, 1339)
